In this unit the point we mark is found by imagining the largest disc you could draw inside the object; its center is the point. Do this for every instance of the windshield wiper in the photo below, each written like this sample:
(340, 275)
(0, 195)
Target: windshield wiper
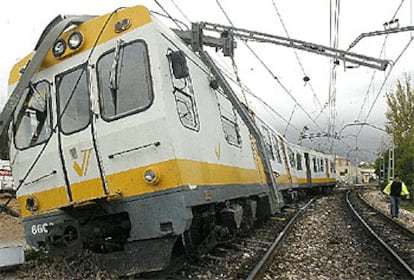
(41, 101)
(113, 74)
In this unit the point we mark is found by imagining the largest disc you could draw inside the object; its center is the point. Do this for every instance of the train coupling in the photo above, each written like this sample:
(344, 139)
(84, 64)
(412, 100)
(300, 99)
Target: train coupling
(63, 239)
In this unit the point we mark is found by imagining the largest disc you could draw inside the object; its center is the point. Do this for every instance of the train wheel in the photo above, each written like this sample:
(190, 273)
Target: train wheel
(202, 235)
(193, 238)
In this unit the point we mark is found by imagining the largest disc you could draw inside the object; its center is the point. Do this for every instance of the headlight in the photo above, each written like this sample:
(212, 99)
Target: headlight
(122, 25)
(31, 204)
(59, 48)
(75, 40)
(151, 176)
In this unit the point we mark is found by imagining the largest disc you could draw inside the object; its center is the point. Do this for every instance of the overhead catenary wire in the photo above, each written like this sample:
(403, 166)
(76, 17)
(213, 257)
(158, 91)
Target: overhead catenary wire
(181, 12)
(270, 71)
(283, 86)
(315, 96)
(334, 38)
(168, 14)
(290, 119)
(244, 88)
(233, 61)
(386, 78)
(411, 16)
(176, 21)
(236, 72)
(334, 14)
(366, 96)
(229, 76)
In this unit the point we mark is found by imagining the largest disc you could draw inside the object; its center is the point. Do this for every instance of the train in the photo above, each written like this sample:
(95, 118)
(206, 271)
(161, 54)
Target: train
(126, 142)
(6, 179)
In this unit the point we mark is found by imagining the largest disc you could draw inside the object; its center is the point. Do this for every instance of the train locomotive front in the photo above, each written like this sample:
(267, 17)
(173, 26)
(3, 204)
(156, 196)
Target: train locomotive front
(121, 146)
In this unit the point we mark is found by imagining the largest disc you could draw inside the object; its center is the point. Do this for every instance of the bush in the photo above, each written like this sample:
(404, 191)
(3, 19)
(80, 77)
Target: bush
(31, 254)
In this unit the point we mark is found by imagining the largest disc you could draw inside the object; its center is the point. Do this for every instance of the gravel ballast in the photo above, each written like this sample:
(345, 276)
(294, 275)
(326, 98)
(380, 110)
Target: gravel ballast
(330, 244)
(326, 244)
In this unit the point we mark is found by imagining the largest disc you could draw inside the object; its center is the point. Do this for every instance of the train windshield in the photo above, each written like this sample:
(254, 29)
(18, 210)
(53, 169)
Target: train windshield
(73, 97)
(124, 80)
(32, 122)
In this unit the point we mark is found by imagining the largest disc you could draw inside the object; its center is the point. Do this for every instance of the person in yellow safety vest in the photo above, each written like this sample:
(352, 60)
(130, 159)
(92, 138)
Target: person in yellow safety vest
(395, 189)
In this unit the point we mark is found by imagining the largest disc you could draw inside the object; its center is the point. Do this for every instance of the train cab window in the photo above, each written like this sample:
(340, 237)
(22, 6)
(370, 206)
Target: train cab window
(73, 100)
(299, 161)
(276, 148)
(32, 117)
(228, 119)
(268, 143)
(124, 80)
(183, 91)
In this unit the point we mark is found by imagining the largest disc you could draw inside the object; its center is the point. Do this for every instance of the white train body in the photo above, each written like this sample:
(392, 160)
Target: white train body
(112, 149)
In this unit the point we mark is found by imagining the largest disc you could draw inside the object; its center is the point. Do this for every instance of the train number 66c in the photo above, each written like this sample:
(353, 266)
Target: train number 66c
(40, 228)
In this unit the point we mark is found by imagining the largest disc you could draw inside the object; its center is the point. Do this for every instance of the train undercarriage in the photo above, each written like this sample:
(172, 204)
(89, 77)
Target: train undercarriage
(98, 228)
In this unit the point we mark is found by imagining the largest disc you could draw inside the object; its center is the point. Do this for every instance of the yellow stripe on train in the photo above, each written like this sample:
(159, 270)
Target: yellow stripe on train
(285, 179)
(172, 174)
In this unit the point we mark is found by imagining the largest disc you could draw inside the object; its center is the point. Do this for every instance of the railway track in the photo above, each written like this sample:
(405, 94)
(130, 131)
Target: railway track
(396, 240)
(259, 270)
(327, 242)
(246, 257)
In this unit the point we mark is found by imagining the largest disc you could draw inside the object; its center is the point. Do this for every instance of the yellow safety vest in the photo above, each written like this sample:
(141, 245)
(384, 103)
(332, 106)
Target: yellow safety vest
(404, 190)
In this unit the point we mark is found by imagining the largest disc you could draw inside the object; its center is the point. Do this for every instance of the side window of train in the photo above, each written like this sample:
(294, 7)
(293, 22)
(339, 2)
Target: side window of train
(228, 119)
(73, 100)
(321, 164)
(299, 161)
(124, 80)
(276, 148)
(183, 90)
(268, 143)
(32, 117)
(291, 156)
(315, 164)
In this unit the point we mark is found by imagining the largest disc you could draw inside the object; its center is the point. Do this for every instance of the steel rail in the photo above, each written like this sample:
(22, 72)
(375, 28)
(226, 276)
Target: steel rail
(396, 257)
(402, 227)
(260, 268)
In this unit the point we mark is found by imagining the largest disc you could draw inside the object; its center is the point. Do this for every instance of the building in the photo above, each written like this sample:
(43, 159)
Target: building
(349, 173)
(344, 170)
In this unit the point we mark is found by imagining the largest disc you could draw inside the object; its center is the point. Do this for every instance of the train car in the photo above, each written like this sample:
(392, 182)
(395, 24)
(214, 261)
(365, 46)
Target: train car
(123, 144)
(297, 167)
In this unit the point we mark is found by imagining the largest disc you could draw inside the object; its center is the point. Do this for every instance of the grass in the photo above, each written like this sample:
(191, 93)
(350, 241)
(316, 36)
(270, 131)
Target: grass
(31, 254)
(407, 205)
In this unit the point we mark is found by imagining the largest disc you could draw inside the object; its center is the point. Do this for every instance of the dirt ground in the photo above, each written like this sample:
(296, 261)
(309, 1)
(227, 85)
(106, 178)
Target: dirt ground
(11, 228)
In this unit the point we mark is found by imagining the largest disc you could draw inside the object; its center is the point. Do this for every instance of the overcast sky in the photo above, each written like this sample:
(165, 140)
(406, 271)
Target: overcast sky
(357, 90)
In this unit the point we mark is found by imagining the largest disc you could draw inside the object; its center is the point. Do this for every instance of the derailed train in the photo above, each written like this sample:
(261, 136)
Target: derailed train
(126, 143)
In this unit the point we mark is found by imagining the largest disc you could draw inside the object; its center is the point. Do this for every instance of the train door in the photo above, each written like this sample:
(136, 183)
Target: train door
(84, 178)
(286, 160)
(327, 168)
(126, 139)
(308, 170)
(34, 155)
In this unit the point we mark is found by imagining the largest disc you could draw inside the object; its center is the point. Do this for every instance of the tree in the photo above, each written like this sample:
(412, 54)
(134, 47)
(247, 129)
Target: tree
(400, 116)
